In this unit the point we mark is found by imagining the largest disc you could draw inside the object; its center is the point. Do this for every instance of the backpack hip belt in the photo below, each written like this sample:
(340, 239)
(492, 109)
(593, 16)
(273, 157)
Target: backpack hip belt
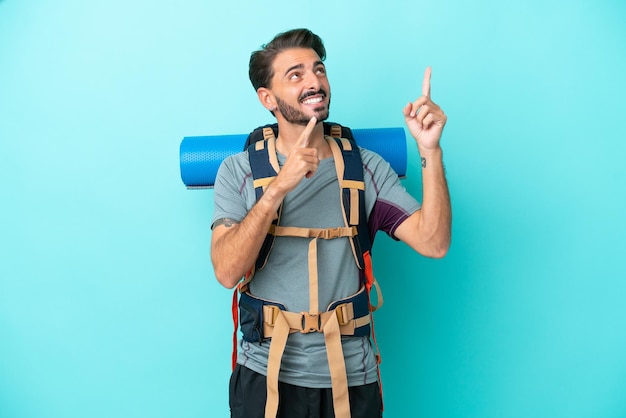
(259, 317)
(263, 319)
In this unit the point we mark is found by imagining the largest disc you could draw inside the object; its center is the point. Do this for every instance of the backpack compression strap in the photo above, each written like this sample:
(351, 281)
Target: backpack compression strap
(349, 168)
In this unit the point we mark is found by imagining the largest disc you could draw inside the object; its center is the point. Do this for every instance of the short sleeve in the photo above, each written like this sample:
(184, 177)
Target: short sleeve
(231, 189)
(389, 204)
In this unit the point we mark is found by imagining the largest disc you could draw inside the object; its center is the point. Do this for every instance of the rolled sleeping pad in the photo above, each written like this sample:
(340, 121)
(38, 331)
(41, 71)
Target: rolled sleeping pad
(201, 156)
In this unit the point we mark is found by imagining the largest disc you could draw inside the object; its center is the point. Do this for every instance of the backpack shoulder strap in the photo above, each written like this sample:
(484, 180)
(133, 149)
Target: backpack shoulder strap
(263, 161)
(261, 133)
(349, 168)
(264, 165)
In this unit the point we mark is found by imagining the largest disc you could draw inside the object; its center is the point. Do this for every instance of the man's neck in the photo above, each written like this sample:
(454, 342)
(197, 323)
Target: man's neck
(289, 133)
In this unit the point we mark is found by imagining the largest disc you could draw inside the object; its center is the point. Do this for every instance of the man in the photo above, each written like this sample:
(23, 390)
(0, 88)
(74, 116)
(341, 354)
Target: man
(290, 79)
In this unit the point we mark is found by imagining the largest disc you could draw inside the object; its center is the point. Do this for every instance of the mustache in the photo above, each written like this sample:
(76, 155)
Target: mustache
(312, 93)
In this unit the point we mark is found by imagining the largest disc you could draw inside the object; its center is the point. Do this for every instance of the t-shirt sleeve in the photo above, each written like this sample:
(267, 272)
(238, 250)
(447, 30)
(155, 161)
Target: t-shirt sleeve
(229, 197)
(389, 204)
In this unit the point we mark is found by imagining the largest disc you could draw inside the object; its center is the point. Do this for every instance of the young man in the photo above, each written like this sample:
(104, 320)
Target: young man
(306, 274)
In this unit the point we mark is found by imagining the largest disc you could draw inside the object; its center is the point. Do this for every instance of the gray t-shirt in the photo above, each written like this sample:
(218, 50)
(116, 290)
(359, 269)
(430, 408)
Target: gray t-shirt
(314, 203)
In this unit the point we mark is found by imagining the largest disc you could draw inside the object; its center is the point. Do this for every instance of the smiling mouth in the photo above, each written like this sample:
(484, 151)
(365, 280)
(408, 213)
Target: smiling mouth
(313, 97)
(313, 100)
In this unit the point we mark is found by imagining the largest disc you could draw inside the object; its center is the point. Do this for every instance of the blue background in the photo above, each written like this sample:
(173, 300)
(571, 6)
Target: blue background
(108, 305)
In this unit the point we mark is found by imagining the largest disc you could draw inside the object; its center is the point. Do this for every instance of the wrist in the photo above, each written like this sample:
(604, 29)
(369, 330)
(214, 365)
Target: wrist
(430, 153)
(272, 198)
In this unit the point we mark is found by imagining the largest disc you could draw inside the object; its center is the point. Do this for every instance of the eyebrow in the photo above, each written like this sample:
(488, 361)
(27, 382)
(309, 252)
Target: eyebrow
(300, 66)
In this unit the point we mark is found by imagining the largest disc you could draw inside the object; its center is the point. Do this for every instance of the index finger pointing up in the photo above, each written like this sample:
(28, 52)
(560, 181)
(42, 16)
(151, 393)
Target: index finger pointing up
(426, 82)
(306, 134)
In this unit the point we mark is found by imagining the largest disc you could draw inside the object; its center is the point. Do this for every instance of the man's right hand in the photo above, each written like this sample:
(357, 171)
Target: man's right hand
(302, 161)
(235, 246)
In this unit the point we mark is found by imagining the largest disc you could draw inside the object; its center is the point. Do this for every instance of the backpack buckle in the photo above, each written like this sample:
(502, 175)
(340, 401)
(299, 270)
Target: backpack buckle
(345, 313)
(270, 313)
(330, 233)
(311, 322)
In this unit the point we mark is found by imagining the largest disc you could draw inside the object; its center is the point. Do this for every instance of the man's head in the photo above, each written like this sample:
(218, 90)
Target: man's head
(290, 77)
(261, 71)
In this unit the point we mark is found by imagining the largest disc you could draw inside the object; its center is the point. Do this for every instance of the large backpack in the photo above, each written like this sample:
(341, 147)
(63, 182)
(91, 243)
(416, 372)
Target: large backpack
(261, 319)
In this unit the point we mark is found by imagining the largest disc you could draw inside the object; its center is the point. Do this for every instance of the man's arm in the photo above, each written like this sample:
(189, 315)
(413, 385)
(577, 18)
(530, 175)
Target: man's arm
(235, 246)
(428, 231)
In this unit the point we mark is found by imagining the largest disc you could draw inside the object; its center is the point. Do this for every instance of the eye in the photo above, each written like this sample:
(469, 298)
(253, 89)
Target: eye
(294, 76)
(320, 71)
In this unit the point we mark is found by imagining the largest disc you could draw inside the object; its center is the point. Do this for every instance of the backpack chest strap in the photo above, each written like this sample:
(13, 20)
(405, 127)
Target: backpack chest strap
(322, 233)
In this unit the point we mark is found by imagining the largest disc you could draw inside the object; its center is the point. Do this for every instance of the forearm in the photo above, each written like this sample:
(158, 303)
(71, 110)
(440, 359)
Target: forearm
(435, 221)
(235, 247)
(428, 230)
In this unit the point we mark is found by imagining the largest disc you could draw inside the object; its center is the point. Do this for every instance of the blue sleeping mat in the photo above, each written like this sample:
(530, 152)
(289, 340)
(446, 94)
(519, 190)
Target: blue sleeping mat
(201, 156)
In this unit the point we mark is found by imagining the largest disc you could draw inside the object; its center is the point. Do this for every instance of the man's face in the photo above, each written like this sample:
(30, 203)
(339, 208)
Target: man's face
(300, 86)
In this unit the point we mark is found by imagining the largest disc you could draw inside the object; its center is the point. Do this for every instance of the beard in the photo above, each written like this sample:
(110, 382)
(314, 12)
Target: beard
(296, 116)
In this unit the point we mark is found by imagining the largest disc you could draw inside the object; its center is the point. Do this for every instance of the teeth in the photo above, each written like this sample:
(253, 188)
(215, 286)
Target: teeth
(312, 100)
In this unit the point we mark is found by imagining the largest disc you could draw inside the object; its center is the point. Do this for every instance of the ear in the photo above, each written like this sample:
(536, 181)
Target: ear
(266, 98)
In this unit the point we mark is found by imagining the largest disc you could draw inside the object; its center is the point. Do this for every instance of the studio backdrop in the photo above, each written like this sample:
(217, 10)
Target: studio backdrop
(108, 303)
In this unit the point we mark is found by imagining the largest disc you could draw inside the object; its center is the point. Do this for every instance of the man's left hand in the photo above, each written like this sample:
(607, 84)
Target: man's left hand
(424, 118)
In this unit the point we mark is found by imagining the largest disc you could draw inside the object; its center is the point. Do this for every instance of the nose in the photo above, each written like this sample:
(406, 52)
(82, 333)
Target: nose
(312, 81)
